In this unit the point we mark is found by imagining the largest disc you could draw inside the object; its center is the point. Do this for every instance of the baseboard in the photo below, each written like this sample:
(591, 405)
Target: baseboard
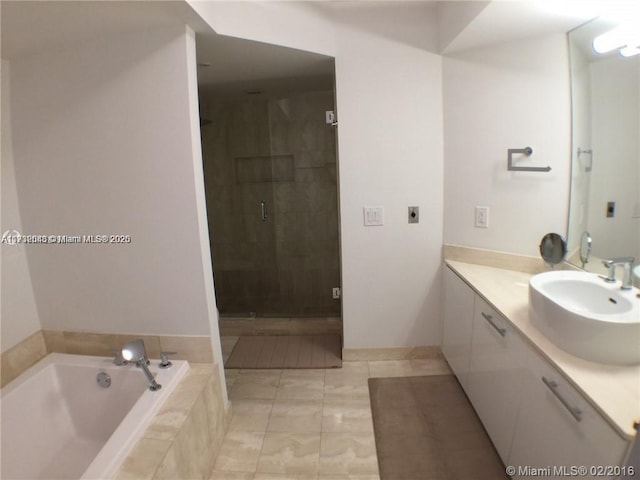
(391, 353)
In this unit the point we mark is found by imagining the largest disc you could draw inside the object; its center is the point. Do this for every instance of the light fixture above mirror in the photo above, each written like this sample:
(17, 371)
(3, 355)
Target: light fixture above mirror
(624, 38)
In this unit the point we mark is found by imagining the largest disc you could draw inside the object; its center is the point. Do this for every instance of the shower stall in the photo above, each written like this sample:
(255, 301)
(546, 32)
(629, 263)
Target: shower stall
(272, 202)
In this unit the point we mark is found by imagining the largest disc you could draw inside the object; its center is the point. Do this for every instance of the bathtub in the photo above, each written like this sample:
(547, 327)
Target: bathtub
(58, 422)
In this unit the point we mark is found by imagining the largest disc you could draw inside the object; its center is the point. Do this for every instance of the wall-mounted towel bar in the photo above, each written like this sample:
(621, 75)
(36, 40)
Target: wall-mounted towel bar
(525, 151)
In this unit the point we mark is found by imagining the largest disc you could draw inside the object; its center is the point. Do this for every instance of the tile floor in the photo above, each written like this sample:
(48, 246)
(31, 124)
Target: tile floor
(306, 424)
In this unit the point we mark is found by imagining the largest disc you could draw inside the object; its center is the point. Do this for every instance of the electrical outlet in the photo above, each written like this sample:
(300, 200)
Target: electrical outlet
(482, 217)
(611, 209)
(335, 292)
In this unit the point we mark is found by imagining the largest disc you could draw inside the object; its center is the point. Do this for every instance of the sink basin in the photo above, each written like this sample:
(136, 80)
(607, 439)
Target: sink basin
(586, 316)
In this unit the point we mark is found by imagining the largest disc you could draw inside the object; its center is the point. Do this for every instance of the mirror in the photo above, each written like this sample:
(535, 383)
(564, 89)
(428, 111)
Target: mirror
(605, 159)
(553, 248)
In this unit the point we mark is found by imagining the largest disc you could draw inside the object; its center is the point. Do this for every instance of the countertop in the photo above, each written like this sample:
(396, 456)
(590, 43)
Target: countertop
(612, 389)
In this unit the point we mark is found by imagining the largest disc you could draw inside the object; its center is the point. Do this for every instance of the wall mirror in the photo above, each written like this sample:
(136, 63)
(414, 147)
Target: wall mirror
(605, 157)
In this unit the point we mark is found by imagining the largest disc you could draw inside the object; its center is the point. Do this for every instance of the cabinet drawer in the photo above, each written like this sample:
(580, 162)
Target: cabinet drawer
(557, 427)
(498, 356)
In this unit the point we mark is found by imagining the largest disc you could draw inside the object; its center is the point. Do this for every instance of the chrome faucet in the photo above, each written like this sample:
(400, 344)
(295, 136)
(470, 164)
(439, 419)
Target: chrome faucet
(626, 263)
(118, 359)
(134, 350)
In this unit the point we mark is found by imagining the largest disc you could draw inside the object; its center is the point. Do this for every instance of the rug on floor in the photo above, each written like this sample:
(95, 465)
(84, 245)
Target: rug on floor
(426, 429)
(286, 351)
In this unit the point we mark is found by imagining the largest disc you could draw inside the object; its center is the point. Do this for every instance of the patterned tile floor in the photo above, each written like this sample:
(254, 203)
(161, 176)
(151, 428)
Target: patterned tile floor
(306, 424)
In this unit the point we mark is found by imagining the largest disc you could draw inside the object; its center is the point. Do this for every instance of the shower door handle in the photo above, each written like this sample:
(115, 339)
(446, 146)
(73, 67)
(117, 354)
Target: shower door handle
(263, 207)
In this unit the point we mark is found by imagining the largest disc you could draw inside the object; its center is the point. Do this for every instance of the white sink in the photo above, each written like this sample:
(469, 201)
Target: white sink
(586, 316)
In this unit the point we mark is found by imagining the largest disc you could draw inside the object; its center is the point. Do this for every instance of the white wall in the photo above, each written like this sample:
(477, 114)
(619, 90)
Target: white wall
(18, 306)
(390, 147)
(118, 114)
(390, 109)
(103, 144)
(510, 95)
(616, 135)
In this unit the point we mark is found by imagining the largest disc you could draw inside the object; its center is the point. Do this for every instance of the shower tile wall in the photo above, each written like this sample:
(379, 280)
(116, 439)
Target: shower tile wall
(282, 152)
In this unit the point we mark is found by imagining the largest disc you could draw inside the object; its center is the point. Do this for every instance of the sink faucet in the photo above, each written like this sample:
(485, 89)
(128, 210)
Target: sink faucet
(626, 262)
(134, 351)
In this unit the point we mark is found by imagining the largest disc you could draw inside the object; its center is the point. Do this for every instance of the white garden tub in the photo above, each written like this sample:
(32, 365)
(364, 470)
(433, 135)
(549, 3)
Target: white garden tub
(58, 422)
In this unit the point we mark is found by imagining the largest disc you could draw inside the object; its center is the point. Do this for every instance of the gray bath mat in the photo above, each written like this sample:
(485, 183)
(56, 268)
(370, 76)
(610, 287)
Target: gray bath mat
(286, 351)
(426, 429)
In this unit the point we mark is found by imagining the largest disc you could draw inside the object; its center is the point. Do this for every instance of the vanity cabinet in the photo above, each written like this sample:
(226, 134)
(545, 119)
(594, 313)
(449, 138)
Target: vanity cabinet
(498, 356)
(458, 318)
(535, 418)
(557, 427)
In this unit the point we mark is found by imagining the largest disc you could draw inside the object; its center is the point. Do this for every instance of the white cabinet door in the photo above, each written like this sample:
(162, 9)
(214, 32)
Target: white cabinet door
(498, 356)
(558, 430)
(458, 317)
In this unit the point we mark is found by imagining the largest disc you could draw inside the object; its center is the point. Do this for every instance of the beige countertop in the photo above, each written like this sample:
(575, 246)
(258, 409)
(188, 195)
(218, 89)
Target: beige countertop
(612, 389)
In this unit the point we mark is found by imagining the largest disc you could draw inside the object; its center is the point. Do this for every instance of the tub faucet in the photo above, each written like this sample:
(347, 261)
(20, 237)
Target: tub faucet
(134, 350)
(118, 359)
(626, 263)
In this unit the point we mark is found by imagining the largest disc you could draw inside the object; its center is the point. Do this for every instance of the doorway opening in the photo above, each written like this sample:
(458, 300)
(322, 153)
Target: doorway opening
(271, 183)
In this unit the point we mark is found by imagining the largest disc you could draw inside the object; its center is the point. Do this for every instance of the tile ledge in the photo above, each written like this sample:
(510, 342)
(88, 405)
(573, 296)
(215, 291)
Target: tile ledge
(492, 258)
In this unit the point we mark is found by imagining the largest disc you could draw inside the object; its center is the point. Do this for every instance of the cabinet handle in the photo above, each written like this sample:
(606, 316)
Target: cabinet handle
(553, 386)
(263, 208)
(489, 318)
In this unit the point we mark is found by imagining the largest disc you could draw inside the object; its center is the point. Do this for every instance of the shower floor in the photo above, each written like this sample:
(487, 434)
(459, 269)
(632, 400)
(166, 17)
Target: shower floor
(286, 351)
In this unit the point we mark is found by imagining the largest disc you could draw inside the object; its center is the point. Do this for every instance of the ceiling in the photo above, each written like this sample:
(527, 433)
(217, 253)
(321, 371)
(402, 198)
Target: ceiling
(235, 65)
(238, 65)
(231, 66)
(502, 21)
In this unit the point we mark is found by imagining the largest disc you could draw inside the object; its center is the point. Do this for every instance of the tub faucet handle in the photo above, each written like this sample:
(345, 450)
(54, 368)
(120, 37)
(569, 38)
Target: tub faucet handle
(164, 360)
(118, 359)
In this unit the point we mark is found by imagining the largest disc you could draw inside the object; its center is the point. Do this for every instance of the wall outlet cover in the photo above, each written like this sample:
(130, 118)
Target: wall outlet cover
(482, 217)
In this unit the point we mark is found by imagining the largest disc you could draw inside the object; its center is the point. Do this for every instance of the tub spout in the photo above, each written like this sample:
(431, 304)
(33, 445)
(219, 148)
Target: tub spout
(134, 351)
(153, 385)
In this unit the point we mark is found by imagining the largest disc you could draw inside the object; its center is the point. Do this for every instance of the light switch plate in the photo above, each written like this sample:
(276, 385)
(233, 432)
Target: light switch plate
(373, 216)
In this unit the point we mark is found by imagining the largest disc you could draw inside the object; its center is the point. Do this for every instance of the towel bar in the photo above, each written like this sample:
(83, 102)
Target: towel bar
(526, 151)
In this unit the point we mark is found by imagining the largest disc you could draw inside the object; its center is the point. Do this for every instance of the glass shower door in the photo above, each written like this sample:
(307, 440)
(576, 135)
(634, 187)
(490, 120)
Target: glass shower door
(271, 187)
(240, 200)
(306, 203)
